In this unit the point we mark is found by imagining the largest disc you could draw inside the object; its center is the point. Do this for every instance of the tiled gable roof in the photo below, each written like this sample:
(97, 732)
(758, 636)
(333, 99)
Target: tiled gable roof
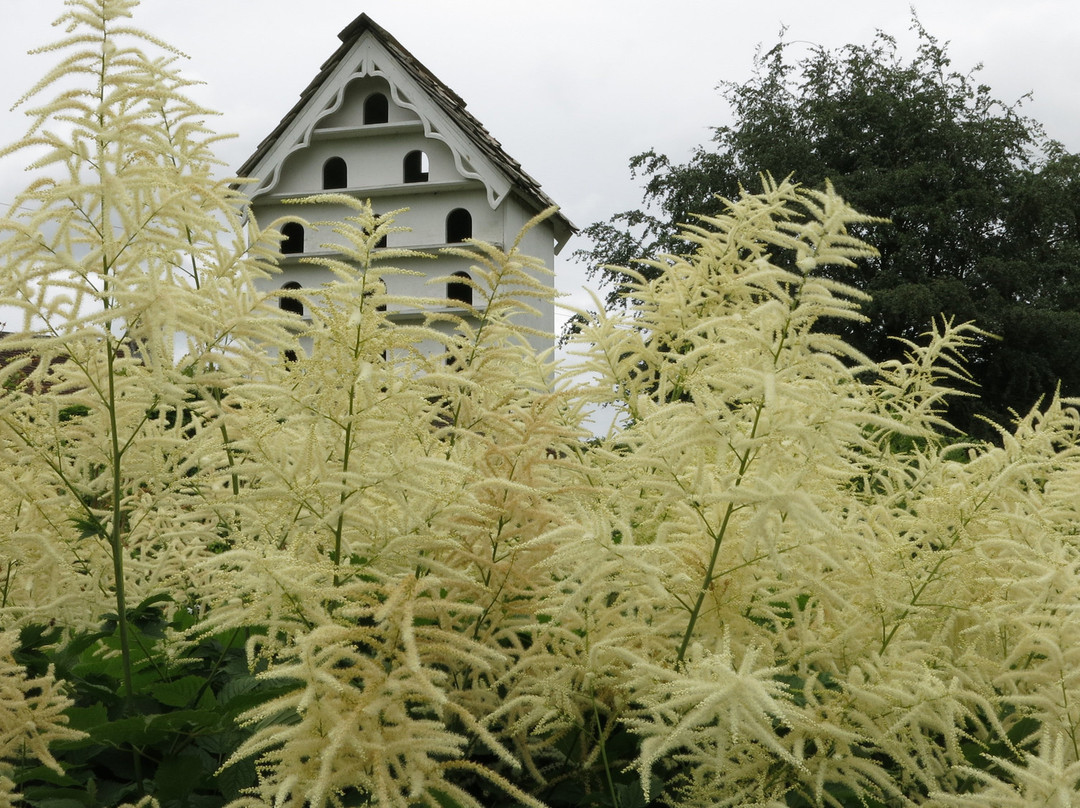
(438, 92)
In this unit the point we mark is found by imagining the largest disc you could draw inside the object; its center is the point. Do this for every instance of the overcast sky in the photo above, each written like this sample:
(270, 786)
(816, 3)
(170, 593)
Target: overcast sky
(572, 88)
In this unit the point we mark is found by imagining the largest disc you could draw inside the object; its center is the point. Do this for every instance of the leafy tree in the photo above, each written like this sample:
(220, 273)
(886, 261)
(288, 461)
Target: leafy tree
(983, 210)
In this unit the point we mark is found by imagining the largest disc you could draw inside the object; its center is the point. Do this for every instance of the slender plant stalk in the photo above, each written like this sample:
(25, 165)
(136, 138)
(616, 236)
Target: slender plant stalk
(116, 533)
(718, 540)
(603, 750)
(339, 528)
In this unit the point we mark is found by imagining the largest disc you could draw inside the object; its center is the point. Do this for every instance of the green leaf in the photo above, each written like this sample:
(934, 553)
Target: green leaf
(178, 776)
(1022, 730)
(241, 702)
(45, 775)
(58, 802)
(149, 603)
(146, 730)
(87, 718)
(183, 692)
(444, 799)
(238, 686)
(235, 777)
(630, 795)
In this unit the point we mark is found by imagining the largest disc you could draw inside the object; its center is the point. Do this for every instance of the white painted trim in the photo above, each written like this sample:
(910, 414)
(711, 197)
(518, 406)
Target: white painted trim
(369, 58)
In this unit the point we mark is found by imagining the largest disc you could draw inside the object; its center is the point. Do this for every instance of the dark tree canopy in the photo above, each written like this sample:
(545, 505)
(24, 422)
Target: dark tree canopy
(983, 209)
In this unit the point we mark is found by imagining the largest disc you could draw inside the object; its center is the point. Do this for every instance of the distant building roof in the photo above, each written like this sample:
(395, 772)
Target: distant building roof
(449, 101)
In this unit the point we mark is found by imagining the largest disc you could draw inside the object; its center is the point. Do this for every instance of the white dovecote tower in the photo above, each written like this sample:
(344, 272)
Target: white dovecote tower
(376, 124)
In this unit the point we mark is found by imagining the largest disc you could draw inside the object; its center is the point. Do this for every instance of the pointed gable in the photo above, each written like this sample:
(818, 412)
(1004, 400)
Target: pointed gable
(332, 106)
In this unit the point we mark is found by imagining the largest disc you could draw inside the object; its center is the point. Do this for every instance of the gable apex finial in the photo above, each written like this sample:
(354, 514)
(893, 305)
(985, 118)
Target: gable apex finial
(355, 28)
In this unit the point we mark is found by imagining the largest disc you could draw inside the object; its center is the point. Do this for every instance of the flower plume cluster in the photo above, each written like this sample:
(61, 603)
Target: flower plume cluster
(778, 580)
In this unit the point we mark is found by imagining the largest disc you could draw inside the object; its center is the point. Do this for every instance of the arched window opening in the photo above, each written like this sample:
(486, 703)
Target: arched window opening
(376, 109)
(371, 293)
(415, 168)
(293, 306)
(382, 241)
(335, 174)
(458, 226)
(460, 291)
(292, 240)
(288, 302)
(455, 351)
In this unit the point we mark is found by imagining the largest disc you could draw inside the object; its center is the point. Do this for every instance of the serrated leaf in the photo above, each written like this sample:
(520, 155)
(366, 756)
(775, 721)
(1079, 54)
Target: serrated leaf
(43, 774)
(144, 730)
(51, 797)
(87, 718)
(232, 779)
(183, 692)
(178, 776)
(237, 686)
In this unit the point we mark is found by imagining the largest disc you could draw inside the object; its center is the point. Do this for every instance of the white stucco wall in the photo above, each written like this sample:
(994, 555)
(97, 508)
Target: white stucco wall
(374, 155)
